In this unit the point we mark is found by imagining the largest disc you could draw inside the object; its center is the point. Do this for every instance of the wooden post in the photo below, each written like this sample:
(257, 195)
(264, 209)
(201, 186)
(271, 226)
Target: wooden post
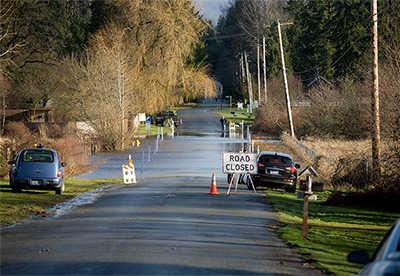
(249, 86)
(376, 149)
(305, 215)
(258, 72)
(13, 149)
(307, 194)
(265, 71)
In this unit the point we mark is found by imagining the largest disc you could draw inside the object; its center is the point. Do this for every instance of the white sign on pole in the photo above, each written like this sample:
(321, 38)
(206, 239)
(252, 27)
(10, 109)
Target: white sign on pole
(239, 163)
(142, 117)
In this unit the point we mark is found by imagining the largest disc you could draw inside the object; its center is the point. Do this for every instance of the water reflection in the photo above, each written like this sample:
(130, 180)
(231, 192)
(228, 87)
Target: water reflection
(184, 154)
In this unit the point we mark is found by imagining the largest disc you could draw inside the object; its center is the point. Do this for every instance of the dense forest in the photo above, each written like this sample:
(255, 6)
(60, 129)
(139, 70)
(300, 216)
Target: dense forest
(102, 62)
(327, 49)
(327, 52)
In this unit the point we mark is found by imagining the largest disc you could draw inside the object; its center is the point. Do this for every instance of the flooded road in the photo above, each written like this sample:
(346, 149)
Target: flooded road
(194, 150)
(164, 226)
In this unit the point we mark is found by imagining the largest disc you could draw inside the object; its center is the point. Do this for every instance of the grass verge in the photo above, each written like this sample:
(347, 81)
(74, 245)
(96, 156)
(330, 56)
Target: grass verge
(332, 232)
(248, 118)
(142, 131)
(16, 207)
(153, 131)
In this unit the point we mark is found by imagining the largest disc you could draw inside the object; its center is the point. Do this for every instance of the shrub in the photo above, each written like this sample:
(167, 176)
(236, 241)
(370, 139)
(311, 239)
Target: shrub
(66, 142)
(271, 118)
(72, 151)
(22, 135)
(52, 131)
(336, 112)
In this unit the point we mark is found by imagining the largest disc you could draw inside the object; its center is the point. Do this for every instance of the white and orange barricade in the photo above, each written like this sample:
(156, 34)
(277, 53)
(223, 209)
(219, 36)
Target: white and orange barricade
(129, 174)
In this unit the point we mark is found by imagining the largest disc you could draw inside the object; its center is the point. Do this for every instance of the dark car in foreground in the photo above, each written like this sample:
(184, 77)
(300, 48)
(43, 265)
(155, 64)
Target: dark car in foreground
(275, 170)
(386, 258)
(37, 169)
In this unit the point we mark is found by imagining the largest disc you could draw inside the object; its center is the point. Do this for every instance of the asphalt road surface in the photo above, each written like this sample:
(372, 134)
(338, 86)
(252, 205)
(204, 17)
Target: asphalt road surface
(160, 225)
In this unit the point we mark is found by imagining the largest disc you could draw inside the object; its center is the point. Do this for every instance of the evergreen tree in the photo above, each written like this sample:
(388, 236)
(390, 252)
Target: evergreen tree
(329, 38)
(351, 28)
(77, 24)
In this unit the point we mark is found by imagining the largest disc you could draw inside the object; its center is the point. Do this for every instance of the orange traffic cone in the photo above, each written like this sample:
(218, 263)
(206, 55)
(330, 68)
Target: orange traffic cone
(213, 188)
(180, 121)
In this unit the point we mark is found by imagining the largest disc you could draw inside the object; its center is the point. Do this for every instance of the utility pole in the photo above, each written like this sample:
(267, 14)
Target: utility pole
(265, 71)
(248, 80)
(241, 62)
(258, 71)
(289, 110)
(376, 150)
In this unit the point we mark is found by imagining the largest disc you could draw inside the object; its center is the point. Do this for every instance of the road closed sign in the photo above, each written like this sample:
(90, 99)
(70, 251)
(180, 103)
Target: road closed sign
(238, 162)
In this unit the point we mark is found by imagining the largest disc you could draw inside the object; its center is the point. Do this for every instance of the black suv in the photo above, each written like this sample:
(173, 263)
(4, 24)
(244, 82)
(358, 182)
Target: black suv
(275, 170)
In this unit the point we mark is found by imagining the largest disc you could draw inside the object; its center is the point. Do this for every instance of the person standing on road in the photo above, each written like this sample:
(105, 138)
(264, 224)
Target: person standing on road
(223, 123)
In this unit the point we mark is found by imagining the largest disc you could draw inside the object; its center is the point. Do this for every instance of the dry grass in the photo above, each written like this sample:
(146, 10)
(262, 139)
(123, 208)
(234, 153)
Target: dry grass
(336, 149)
(349, 164)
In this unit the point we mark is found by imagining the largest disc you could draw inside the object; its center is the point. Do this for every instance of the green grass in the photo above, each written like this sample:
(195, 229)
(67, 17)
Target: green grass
(332, 232)
(152, 131)
(248, 118)
(15, 207)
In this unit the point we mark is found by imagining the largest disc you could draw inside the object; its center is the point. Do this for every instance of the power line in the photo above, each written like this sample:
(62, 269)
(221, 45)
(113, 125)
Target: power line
(364, 24)
(331, 55)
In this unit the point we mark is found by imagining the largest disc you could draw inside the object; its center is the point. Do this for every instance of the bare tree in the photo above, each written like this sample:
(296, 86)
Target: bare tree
(137, 64)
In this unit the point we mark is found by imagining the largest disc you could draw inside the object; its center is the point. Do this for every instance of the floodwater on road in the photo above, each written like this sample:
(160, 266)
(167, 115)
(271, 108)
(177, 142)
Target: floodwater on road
(176, 156)
(165, 226)
(195, 149)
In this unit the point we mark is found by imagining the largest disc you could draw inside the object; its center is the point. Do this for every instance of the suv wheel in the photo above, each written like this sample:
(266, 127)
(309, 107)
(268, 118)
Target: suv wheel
(248, 183)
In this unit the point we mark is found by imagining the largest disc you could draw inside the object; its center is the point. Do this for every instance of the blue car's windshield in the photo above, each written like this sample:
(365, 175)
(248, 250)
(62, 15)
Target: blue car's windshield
(38, 156)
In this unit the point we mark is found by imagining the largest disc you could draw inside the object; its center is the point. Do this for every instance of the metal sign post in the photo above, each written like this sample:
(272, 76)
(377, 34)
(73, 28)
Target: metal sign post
(148, 120)
(239, 163)
(237, 181)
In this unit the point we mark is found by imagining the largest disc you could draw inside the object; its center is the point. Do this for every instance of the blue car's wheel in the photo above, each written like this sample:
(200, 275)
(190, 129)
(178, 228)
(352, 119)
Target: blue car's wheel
(60, 190)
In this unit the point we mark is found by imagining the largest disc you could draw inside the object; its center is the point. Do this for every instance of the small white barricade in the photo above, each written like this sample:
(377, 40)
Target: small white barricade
(129, 174)
(231, 130)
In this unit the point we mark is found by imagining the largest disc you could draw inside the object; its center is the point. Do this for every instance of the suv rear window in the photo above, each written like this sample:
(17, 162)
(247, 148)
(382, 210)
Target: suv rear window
(275, 160)
(45, 156)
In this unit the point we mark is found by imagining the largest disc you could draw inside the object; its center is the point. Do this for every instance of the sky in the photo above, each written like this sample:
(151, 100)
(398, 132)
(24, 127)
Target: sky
(212, 8)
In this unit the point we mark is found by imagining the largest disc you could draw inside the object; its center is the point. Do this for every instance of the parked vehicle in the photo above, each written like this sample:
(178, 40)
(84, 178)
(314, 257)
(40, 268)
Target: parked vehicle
(163, 116)
(275, 170)
(37, 169)
(386, 258)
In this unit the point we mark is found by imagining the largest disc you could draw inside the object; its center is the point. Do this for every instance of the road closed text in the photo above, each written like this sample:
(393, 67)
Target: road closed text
(239, 167)
(237, 162)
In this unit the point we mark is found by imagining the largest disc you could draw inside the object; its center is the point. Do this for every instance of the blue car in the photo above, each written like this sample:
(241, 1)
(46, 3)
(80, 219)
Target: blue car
(386, 257)
(37, 169)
